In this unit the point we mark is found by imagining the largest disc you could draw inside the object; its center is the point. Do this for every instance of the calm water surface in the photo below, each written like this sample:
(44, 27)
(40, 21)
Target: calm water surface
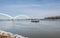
(43, 29)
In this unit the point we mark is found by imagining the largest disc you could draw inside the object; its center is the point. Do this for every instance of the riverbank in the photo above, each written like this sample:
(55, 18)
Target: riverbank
(4, 34)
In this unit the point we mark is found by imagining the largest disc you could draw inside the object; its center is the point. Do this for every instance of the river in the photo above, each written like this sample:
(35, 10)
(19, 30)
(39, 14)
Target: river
(43, 29)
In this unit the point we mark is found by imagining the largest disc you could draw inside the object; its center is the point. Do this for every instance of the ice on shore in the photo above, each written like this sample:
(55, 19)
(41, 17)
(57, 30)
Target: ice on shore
(10, 35)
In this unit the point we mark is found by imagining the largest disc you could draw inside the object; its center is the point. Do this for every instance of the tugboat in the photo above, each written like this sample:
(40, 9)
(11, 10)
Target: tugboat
(35, 20)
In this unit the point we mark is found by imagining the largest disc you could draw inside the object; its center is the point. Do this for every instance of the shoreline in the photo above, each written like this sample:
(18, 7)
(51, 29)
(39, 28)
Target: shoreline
(4, 34)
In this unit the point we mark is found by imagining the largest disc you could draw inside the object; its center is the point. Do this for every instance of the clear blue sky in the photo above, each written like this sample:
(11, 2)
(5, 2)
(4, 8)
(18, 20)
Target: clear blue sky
(32, 8)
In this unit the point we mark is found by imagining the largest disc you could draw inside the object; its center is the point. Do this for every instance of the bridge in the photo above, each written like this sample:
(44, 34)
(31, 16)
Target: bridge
(6, 17)
(16, 19)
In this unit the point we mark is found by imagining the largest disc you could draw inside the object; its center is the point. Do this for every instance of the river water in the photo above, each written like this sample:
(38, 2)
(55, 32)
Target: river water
(43, 29)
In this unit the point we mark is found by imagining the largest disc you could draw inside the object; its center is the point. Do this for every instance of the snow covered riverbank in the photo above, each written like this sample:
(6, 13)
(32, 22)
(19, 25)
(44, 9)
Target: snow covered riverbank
(4, 34)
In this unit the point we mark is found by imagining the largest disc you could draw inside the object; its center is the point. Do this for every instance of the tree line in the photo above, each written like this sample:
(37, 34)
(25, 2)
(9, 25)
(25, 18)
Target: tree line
(54, 17)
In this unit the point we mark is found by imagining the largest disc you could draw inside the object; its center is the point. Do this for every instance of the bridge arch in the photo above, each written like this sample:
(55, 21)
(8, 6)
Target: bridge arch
(22, 17)
(5, 15)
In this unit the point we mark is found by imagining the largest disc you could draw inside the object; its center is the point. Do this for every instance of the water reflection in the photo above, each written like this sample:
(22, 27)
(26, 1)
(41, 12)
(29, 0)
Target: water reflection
(44, 29)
